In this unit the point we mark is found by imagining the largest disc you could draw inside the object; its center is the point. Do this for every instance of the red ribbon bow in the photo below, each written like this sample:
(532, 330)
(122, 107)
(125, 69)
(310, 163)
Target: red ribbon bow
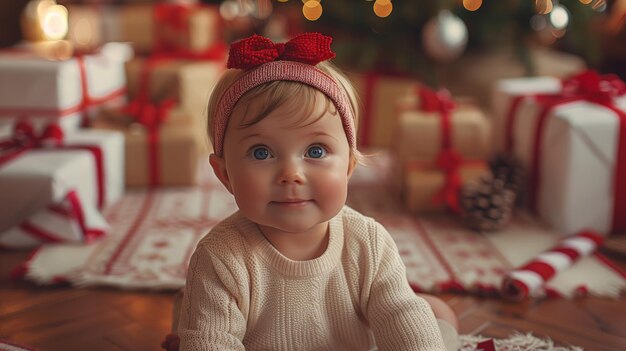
(593, 87)
(148, 114)
(310, 48)
(436, 101)
(24, 138)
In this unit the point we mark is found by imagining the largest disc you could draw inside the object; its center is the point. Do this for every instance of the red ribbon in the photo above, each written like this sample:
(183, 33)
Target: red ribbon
(587, 86)
(24, 138)
(150, 115)
(174, 17)
(450, 162)
(309, 48)
(439, 101)
(448, 159)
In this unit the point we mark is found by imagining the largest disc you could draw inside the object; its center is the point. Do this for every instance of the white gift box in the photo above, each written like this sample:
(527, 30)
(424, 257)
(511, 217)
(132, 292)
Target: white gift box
(505, 92)
(578, 154)
(41, 177)
(42, 91)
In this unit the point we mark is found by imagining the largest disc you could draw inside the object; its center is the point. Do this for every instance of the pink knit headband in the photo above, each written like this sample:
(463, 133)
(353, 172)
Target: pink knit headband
(292, 61)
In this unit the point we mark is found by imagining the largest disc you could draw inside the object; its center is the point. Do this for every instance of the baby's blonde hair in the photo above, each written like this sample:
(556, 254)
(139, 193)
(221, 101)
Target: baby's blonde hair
(278, 92)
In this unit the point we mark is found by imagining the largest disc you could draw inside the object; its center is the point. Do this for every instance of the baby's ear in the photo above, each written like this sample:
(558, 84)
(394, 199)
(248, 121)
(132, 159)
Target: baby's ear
(352, 166)
(219, 168)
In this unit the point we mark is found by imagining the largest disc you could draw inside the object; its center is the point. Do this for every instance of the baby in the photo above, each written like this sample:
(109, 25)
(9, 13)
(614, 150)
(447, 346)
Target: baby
(295, 268)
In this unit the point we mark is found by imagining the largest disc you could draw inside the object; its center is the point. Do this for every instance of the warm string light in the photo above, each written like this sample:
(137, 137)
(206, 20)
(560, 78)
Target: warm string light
(383, 8)
(312, 9)
(472, 5)
(543, 7)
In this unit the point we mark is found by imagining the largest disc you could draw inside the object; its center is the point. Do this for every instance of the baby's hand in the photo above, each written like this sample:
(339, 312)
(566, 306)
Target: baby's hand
(171, 343)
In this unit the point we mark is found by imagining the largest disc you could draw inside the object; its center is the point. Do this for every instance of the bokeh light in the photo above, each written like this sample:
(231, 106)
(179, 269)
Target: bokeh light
(383, 8)
(559, 17)
(472, 5)
(54, 22)
(312, 10)
(543, 7)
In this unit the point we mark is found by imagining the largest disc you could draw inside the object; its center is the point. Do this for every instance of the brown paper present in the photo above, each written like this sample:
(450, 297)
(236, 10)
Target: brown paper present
(140, 25)
(423, 181)
(378, 94)
(177, 149)
(418, 136)
(187, 81)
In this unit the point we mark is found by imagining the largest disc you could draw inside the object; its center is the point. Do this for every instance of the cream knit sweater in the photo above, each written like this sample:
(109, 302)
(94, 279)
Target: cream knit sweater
(242, 294)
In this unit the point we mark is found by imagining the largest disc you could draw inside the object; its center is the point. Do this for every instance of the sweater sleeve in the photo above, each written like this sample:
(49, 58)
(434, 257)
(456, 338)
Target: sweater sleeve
(400, 320)
(210, 318)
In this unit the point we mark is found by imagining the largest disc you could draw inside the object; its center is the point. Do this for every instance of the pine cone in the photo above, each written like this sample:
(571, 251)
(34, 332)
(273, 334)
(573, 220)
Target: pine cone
(511, 171)
(487, 204)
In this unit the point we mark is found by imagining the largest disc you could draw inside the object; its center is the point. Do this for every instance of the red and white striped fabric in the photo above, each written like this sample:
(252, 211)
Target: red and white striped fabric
(529, 279)
(69, 221)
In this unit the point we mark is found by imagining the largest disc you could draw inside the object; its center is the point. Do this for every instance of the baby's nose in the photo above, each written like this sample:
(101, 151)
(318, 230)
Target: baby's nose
(291, 171)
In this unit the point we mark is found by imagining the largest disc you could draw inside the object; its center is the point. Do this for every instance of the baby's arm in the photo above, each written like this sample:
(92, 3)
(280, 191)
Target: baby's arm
(400, 320)
(210, 318)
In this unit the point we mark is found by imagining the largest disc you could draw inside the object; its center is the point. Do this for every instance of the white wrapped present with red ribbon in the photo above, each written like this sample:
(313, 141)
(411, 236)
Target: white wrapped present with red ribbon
(44, 91)
(69, 221)
(41, 170)
(571, 135)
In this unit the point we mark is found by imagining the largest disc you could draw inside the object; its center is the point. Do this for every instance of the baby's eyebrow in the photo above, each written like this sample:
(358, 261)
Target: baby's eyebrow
(250, 136)
(321, 133)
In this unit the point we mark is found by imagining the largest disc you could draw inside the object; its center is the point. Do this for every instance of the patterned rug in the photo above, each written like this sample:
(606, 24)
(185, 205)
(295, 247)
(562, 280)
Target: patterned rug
(155, 232)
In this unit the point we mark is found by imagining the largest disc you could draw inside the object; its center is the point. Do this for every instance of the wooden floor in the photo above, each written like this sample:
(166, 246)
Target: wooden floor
(64, 318)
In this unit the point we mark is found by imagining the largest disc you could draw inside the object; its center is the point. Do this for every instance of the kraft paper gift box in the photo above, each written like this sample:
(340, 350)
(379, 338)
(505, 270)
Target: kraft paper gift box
(423, 181)
(43, 91)
(164, 27)
(477, 73)
(171, 160)
(40, 177)
(575, 160)
(187, 81)
(417, 134)
(378, 94)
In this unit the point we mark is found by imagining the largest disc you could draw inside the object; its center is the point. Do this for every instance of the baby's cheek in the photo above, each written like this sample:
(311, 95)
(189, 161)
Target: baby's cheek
(333, 188)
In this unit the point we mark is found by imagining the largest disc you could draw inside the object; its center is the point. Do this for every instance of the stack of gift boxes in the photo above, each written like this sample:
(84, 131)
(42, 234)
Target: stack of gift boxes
(76, 131)
(569, 134)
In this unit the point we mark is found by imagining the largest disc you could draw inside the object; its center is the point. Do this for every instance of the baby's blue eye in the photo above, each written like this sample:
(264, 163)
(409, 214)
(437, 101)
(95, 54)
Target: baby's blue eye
(260, 153)
(316, 151)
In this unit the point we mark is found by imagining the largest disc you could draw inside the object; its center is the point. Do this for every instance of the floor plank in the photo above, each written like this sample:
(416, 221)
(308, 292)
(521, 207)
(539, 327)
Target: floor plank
(66, 318)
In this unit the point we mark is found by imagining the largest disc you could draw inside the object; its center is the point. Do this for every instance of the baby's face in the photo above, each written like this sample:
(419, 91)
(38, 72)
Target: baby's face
(286, 177)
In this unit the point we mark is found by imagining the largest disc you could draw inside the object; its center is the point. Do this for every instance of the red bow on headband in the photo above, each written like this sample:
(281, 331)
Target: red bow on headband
(310, 48)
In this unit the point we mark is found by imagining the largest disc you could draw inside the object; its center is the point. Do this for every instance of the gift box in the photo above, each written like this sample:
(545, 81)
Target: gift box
(425, 184)
(189, 82)
(88, 162)
(43, 92)
(379, 93)
(164, 27)
(166, 153)
(477, 73)
(573, 145)
(419, 133)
